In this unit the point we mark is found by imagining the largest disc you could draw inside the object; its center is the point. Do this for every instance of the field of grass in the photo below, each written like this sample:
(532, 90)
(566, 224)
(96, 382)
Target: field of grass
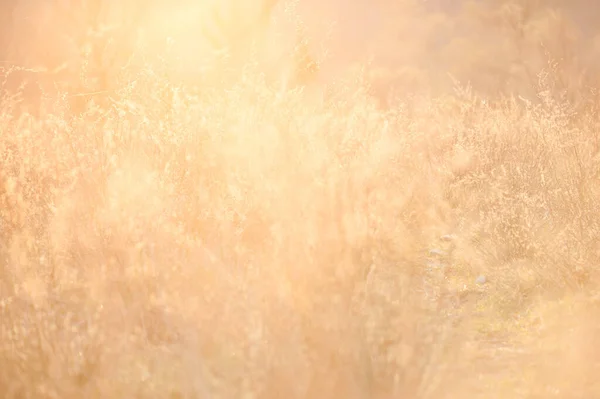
(256, 243)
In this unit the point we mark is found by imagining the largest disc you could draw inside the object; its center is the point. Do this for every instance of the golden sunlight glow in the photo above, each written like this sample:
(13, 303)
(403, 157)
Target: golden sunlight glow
(299, 199)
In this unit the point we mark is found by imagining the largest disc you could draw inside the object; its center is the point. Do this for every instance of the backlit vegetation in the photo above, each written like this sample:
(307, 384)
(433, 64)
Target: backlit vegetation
(422, 226)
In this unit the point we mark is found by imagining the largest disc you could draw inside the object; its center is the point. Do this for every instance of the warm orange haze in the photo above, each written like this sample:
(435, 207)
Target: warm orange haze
(299, 199)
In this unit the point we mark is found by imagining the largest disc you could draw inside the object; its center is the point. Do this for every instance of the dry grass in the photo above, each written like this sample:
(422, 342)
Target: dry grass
(243, 241)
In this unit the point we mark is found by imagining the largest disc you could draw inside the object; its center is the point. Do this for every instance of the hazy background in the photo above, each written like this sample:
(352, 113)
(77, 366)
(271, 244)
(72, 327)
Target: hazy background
(497, 46)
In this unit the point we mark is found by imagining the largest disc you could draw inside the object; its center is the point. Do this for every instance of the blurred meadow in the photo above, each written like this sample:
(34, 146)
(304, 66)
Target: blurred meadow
(299, 199)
